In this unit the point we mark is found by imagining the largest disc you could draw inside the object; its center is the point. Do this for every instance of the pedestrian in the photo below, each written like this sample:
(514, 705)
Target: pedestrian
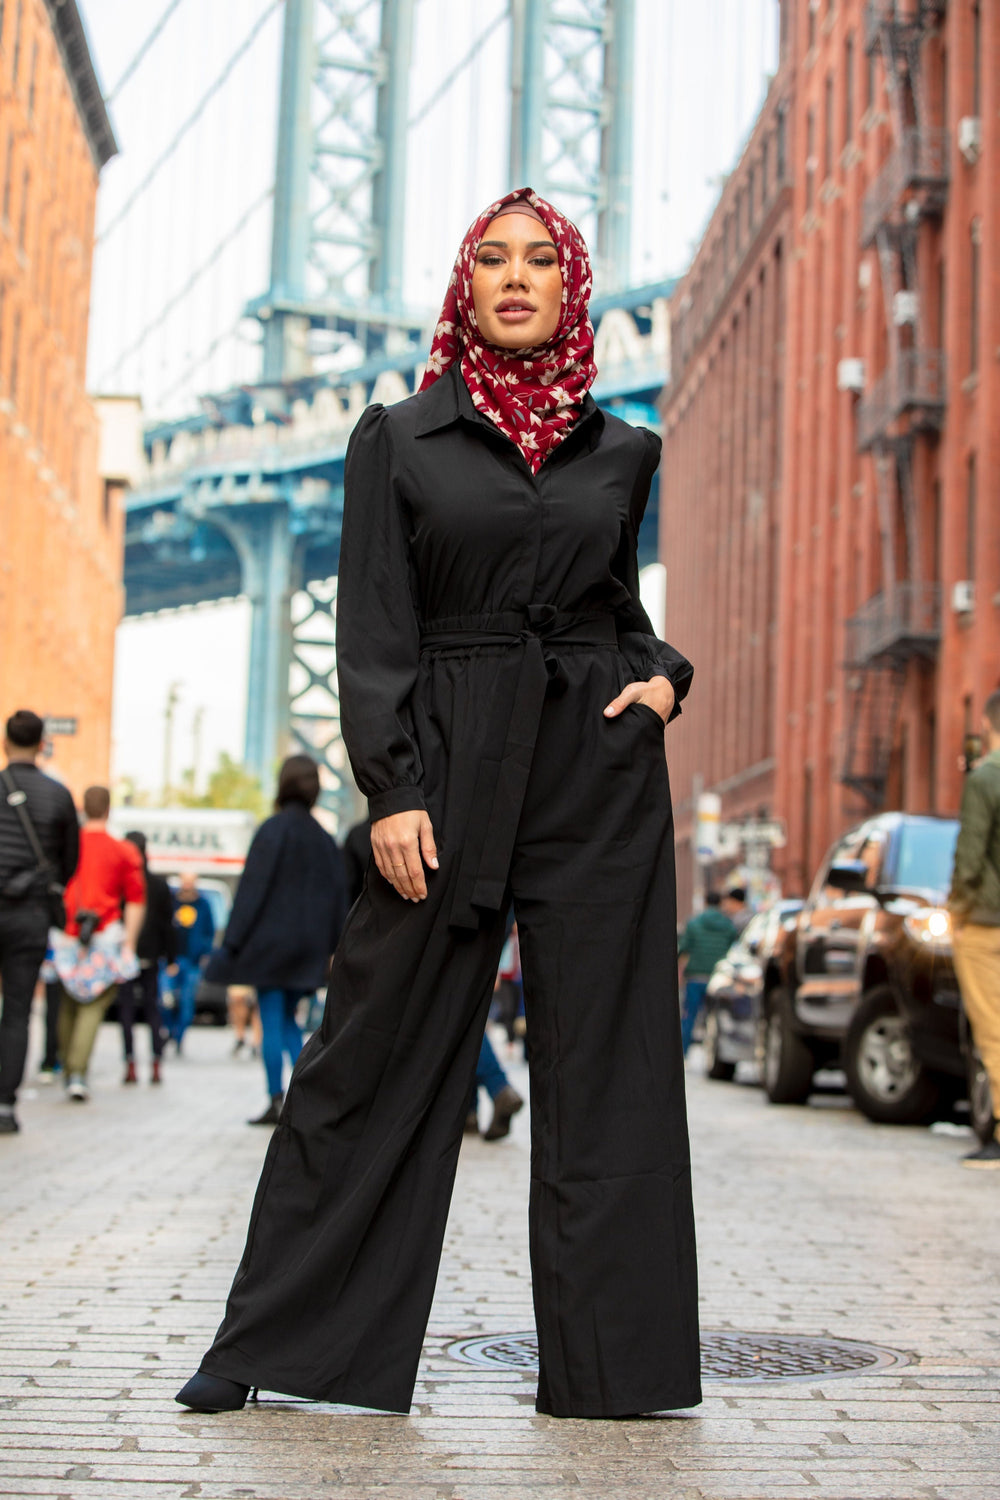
(734, 904)
(506, 1100)
(27, 796)
(707, 937)
(974, 902)
(509, 988)
(107, 895)
(286, 920)
(503, 702)
(50, 1066)
(194, 938)
(157, 946)
(244, 1018)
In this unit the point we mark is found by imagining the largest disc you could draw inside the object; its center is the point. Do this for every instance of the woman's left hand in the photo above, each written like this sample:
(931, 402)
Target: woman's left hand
(657, 694)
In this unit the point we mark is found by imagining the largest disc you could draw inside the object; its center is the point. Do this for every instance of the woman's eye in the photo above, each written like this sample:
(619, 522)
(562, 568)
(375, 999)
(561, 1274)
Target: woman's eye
(490, 260)
(543, 260)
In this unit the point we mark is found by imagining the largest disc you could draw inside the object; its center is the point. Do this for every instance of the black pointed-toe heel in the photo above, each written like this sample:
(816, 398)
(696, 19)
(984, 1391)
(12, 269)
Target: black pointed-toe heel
(210, 1393)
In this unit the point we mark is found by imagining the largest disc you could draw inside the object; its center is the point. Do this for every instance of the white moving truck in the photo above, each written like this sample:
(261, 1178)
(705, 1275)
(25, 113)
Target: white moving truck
(209, 842)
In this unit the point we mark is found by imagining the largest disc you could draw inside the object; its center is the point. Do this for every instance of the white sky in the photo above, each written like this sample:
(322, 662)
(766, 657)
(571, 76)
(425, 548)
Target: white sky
(701, 71)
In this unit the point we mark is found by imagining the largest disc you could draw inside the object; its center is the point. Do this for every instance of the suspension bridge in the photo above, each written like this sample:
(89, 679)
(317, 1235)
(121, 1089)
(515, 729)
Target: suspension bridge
(245, 497)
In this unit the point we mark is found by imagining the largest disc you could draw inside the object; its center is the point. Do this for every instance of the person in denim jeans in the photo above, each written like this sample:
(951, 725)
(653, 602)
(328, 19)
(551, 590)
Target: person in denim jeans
(706, 938)
(194, 930)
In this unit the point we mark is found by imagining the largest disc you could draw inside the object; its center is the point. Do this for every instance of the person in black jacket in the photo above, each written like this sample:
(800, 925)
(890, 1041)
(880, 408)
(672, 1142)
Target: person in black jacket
(286, 919)
(24, 913)
(157, 943)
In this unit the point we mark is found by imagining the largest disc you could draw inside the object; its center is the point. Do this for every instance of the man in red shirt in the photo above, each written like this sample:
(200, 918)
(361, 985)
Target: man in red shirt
(109, 886)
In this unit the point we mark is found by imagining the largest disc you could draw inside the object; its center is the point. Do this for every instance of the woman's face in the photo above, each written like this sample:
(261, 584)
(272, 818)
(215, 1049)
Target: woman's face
(517, 283)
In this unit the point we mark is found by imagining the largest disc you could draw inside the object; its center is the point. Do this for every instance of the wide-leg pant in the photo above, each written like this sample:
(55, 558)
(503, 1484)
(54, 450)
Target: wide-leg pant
(332, 1296)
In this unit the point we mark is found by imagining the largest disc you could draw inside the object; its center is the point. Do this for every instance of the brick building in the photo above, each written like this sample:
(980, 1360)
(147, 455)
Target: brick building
(886, 527)
(721, 482)
(60, 525)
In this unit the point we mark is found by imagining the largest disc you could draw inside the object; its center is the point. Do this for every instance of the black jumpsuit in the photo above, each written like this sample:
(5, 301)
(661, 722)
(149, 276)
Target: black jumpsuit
(486, 617)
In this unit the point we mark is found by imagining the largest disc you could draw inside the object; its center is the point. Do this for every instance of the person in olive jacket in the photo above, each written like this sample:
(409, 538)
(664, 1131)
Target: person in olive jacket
(286, 919)
(974, 903)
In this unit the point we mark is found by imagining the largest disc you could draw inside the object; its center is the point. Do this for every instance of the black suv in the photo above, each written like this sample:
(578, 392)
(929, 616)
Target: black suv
(865, 979)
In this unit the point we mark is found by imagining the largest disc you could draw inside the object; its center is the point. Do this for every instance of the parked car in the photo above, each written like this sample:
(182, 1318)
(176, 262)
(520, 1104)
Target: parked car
(866, 979)
(734, 1000)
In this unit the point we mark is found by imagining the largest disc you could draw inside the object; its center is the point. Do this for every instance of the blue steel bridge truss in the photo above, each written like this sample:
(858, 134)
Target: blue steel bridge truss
(246, 497)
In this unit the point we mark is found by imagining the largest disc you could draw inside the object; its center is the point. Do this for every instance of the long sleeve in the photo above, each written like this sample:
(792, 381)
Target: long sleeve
(378, 635)
(69, 853)
(255, 882)
(645, 653)
(971, 848)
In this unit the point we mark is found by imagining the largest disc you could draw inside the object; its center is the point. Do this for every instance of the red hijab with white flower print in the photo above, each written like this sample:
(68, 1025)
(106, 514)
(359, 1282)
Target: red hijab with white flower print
(533, 395)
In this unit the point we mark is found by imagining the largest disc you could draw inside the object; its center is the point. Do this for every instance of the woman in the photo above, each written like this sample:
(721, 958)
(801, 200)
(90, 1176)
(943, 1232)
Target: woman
(503, 702)
(157, 944)
(285, 921)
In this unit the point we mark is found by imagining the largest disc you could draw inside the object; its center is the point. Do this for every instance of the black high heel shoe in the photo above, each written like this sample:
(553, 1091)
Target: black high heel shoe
(210, 1393)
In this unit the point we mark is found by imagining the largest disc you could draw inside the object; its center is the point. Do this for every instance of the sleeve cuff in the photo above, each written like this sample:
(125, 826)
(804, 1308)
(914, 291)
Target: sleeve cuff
(396, 800)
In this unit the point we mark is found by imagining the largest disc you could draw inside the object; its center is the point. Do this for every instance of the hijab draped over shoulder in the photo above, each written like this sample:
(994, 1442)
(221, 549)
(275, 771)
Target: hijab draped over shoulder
(533, 396)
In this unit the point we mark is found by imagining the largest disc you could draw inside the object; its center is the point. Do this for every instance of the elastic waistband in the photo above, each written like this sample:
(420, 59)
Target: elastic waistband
(541, 622)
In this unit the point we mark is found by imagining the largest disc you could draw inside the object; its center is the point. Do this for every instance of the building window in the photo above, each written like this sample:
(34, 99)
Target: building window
(17, 40)
(828, 128)
(782, 146)
(15, 354)
(7, 173)
(765, 162)
(971, 486)
(975, 271)
(810, 156)
(32, 81)
(977, 59)
(22, 227)
(870, 85)
(812, 23)
(849, 89)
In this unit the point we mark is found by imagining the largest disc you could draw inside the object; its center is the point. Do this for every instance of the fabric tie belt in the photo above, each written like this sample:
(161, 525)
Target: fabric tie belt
(530, 670)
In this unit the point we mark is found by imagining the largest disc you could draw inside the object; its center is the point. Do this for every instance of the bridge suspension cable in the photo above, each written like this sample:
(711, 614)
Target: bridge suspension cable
(192, 281)
(143, 50)
(455, 73)
(192, 119)
(203, 358)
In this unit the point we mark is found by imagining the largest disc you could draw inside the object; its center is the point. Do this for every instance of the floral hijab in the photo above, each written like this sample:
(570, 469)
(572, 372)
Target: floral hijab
(534, 396)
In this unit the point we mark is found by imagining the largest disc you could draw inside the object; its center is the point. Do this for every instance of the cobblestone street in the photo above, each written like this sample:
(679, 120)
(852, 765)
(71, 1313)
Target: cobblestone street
(123, 1220)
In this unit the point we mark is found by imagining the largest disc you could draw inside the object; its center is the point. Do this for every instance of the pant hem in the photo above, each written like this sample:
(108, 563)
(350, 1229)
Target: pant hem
(642, 1405)
(284, 1385)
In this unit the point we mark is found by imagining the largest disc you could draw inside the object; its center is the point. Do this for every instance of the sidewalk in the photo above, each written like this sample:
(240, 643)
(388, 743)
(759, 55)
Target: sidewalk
(121, 1223)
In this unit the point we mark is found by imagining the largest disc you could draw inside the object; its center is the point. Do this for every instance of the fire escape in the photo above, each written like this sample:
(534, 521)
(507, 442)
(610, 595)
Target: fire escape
(905, 405)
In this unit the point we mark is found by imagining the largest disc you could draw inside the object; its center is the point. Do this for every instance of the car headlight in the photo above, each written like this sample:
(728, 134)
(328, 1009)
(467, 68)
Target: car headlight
(931, 928)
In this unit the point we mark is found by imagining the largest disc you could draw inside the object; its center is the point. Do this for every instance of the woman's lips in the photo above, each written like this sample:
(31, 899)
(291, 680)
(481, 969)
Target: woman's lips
(515, 314)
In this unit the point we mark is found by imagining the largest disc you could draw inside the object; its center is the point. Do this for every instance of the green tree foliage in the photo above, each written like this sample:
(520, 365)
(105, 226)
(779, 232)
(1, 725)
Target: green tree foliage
(229, 785)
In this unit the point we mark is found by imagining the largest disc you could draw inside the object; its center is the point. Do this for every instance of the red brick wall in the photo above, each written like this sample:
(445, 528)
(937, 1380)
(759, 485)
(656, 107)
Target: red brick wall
(798, 703)
(720, 488)
(60, 544)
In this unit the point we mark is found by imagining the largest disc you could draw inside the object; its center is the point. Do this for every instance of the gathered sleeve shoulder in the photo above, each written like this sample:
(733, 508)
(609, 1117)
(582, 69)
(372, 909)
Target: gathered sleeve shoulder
(645, 653)
(378, 633)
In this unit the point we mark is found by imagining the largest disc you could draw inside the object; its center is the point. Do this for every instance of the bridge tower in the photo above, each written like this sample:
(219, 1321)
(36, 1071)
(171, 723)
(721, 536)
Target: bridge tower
(335, 290)
(571, 117)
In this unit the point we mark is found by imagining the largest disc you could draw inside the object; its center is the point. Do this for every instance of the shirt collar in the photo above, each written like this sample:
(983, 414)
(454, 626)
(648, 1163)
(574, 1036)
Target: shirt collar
(448, 401)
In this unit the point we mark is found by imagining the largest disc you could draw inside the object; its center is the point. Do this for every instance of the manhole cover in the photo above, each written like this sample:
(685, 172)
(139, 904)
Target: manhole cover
(724, 1356)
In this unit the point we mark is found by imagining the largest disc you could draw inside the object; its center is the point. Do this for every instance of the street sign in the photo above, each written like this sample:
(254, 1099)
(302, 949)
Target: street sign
(752, 831)
(60, 726)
